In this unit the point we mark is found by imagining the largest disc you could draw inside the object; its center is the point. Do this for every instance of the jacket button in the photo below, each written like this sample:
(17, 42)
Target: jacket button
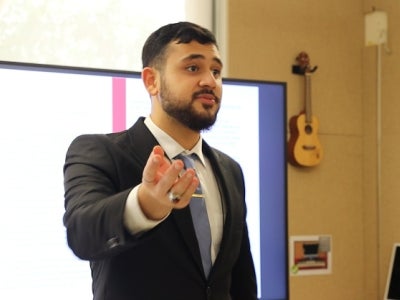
(208, 292)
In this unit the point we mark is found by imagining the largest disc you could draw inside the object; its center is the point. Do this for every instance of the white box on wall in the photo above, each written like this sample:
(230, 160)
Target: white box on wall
(376, 27)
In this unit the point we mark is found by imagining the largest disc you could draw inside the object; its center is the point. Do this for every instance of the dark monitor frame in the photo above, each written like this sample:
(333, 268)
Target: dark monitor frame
(268, 162)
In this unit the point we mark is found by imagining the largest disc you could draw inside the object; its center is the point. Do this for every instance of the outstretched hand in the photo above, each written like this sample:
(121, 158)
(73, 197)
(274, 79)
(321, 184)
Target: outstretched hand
(160, 177)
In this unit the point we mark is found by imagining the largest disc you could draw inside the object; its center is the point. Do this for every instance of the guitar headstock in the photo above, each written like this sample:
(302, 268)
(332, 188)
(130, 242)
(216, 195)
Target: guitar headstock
(303, 64)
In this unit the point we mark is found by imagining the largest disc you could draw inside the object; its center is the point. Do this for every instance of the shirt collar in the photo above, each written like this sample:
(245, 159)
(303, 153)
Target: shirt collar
(170, 146)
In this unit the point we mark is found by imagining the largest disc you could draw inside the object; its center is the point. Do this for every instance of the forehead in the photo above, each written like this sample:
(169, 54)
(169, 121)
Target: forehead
(180, 52)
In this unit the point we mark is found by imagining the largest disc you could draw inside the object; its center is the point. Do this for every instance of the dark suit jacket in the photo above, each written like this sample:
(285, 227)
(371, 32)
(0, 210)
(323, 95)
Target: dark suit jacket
(163, 263)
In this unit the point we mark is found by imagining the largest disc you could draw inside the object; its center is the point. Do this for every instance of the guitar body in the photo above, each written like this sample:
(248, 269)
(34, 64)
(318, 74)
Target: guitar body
(304, 147)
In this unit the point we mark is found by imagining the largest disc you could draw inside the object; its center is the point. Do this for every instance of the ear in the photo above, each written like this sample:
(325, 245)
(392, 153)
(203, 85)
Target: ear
(149, 77)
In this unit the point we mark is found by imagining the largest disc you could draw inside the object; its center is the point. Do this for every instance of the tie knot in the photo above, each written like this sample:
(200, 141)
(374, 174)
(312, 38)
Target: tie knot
(188, 159)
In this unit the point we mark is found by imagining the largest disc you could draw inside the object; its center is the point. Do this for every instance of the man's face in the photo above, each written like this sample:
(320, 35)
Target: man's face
(191, 84)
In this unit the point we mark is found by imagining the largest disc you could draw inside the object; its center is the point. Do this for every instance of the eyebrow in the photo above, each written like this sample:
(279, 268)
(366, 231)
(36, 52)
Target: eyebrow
(197, 56)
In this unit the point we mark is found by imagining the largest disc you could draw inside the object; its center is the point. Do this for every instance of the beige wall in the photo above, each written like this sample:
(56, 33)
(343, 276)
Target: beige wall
(341, 196)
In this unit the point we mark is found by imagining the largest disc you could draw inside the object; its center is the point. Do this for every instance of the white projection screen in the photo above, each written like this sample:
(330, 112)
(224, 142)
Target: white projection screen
(44, 107)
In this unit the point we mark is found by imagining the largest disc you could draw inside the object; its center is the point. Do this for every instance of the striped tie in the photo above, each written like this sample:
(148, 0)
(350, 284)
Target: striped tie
(200, 218)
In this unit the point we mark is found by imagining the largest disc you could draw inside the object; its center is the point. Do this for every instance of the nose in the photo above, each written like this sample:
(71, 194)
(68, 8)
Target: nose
(208, 79)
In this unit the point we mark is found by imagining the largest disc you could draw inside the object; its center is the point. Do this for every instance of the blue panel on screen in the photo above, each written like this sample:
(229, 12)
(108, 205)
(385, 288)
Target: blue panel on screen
(273, 192)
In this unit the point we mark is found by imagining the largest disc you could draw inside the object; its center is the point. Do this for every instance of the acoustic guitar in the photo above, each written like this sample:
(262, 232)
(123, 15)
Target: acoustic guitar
(304, 147)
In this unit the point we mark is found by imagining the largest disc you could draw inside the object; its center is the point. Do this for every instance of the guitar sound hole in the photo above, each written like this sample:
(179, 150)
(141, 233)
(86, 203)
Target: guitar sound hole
(308, 129)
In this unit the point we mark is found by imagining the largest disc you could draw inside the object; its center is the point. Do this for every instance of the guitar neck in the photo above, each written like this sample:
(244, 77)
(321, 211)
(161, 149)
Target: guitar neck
(307, 106)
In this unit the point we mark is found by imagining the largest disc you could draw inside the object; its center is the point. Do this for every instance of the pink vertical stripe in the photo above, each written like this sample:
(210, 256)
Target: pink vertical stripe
(119, 104)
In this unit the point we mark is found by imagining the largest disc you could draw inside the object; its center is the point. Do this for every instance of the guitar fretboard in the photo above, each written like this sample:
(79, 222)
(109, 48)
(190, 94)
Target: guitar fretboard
(307, 106)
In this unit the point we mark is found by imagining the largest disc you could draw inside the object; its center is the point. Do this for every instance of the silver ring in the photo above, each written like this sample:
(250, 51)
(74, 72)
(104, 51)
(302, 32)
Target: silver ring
(173, 197)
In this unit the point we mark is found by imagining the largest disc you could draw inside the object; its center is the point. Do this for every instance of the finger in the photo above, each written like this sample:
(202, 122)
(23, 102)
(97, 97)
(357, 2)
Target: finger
(155, 160)
(185, 187)
(186, 197)
(181, 184)
(169, 176)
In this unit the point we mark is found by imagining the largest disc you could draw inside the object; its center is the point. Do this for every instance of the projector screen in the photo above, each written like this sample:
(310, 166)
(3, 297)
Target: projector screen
(43, 108)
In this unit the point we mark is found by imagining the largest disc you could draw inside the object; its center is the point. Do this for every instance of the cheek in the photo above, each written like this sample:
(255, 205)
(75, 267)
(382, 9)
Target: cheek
(185, 88)
(218, 91)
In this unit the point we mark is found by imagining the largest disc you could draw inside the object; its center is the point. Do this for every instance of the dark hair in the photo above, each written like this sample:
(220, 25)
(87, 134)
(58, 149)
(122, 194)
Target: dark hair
(181, 32)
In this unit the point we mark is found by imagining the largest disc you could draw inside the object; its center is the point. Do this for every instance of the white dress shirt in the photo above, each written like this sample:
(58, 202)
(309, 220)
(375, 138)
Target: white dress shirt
(136, 221)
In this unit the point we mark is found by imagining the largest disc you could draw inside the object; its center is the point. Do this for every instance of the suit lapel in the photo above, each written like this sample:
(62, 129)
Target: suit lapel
(223, 175)
(141, 142)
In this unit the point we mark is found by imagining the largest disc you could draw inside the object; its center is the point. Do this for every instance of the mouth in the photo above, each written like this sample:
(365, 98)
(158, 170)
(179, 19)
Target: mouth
(207, 98)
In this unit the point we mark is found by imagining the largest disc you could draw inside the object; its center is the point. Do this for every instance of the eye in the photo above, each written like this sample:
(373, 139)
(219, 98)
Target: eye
(217, 73)
(192, 68)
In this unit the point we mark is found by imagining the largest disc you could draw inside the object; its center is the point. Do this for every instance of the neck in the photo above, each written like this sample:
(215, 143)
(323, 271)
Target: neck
(183, 135)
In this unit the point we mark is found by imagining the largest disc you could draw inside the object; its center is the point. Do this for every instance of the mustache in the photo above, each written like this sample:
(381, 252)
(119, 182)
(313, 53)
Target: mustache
(207, 92)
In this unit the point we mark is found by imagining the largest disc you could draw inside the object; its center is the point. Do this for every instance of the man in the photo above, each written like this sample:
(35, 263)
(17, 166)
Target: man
(129, 198)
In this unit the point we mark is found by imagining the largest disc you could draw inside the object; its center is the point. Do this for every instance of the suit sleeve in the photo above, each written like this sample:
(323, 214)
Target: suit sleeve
(95, 197)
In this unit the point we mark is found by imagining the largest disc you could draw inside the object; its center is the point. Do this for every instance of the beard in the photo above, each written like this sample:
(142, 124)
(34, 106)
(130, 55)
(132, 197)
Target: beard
(185, 112)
